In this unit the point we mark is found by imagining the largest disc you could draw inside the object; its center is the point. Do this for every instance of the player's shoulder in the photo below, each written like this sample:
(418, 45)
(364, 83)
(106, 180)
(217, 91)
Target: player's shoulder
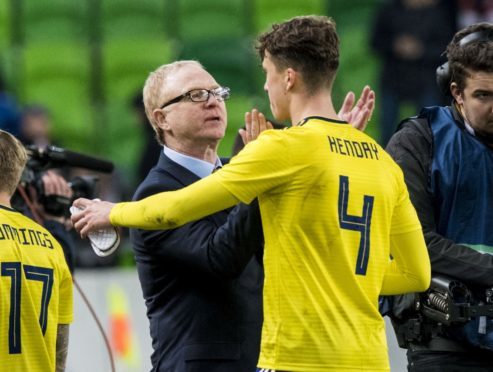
(275, 133)
(15, 218)
(385, 160)
(19, 228)
(268, 141)
(286, 136)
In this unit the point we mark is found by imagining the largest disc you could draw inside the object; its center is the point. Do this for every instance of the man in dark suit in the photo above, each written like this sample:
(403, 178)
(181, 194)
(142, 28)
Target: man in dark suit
(202, 282)
(203, 301)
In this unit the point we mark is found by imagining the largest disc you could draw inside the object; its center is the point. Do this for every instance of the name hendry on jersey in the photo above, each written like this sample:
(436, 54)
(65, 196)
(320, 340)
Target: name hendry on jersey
(356, 149)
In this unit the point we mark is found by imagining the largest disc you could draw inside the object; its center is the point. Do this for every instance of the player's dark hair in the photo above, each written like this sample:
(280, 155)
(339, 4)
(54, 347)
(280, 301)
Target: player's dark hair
(307, 44)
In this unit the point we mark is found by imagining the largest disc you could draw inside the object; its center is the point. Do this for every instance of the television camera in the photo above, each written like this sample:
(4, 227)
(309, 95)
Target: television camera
(43, 159)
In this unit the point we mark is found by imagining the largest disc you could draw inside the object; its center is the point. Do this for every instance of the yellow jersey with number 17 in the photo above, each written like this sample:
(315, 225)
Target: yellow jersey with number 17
(330, 197)
(35, 294)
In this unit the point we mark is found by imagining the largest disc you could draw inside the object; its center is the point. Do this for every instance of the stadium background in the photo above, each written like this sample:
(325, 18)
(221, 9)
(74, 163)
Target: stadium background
(86, 59)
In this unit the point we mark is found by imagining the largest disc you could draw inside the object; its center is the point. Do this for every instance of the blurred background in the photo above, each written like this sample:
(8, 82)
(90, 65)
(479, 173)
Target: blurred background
(71, 74)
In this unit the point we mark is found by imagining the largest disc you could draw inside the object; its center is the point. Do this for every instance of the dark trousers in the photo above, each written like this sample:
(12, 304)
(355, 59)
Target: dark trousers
(449, 361)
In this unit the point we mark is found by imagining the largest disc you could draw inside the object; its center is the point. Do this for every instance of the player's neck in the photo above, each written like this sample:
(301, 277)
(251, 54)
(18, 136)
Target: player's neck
(303, 106)
(5, 200)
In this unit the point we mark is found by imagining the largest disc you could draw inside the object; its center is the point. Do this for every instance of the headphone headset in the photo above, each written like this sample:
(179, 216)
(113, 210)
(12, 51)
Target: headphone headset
(443, 73)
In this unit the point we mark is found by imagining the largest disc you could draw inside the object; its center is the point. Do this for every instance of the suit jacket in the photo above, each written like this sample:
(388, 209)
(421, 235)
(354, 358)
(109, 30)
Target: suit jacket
(202, 283)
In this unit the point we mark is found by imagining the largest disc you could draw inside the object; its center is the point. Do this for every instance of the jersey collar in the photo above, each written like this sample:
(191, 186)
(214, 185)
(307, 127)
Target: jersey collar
(7, 208)
(303, 122)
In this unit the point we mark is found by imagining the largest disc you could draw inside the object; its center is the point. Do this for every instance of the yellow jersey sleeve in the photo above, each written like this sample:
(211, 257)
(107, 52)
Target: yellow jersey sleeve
(409, 270)
(171, 209)
(260, 166)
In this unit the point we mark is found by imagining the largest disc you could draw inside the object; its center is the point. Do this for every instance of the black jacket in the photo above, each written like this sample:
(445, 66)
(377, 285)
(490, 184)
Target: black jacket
(202, 283)
(412, 148)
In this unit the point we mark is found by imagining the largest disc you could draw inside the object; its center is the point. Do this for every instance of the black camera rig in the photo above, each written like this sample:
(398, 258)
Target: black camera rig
(42, 159)
(448, 301)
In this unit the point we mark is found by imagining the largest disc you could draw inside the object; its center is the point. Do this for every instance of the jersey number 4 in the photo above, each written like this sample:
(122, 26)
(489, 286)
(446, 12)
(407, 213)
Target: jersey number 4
(356, 223)
(33, 273)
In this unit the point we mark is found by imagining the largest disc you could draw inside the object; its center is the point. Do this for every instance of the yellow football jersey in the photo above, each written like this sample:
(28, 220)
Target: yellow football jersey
(329, 197)
(36, 294)
(331, 201)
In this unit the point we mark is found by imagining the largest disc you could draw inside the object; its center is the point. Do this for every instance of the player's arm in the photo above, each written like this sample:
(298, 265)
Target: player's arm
(175, 208)
(61, 347)
(259, 167)
(409, 270)
(203, 246)
(166, 210)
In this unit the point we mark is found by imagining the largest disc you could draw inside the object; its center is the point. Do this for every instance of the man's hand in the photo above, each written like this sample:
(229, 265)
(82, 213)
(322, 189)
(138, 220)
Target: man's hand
(94, 215)
(255, 123)
(359, 115)
(53, 185)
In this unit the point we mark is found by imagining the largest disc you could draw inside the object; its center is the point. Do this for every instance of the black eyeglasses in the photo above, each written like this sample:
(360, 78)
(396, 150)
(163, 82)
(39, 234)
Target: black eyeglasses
(201, 95)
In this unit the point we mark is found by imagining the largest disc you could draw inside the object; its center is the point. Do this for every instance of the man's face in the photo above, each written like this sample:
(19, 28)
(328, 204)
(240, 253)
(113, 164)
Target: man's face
(275, 86)
(476, 102)
(192, 123)
(35, 128)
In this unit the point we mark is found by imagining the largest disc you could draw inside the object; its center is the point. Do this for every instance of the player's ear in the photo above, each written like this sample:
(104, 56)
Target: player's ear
(290, 78)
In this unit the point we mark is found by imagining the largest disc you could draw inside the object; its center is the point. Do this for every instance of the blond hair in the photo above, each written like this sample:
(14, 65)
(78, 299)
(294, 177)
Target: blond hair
(154, 89)
(13, 158)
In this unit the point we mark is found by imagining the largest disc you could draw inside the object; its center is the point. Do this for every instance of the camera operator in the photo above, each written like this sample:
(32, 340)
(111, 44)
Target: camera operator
(446, 154)
(46, 185)
(46, 196)
(34, 277)
(54, 187)
(35, 126)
